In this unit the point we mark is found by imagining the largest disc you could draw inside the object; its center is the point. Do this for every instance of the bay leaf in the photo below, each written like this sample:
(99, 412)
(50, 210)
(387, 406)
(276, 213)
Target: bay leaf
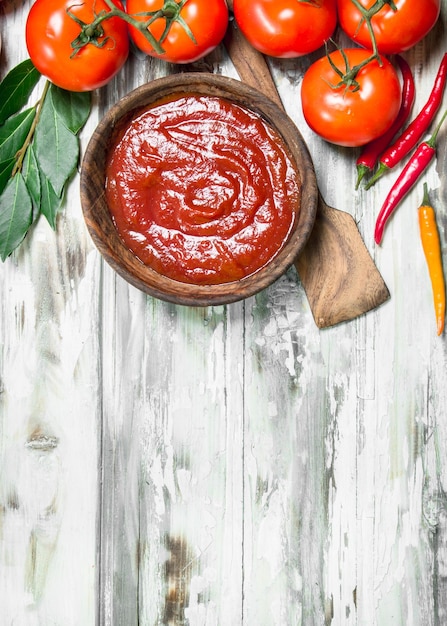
(31, 176)
(12, 137)
(15, 215)
(16, 88)
(72, 107)
(6, 168)
(50, 201)
(57, 148)
(14, 132)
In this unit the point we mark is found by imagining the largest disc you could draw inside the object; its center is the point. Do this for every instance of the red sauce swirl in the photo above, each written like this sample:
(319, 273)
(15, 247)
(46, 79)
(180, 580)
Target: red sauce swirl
(201, 189)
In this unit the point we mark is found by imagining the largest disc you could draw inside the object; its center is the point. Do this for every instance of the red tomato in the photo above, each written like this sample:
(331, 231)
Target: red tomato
(343, 115)
(286, 28)
(395, 31)
(50, 31)
(206, 19)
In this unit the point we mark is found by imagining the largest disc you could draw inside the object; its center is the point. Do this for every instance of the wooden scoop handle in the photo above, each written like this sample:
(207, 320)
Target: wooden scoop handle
(336, 270)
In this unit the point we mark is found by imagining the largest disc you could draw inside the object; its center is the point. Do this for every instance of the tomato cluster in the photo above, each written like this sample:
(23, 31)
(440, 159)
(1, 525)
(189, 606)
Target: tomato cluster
(359, 99)
(349, 97)
(82, 46)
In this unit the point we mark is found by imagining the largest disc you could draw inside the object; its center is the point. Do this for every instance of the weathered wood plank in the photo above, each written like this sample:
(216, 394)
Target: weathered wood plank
(231, 465)
(49, 411)
(285, 461)
(173, 465)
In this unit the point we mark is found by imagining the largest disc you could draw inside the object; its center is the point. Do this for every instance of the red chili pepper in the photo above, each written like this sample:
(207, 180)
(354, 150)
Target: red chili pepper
(373, 150)
(407, 178)
(414, 131)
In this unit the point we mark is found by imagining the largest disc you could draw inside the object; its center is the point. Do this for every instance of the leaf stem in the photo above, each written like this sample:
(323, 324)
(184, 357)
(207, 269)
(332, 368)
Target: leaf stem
(20, 155)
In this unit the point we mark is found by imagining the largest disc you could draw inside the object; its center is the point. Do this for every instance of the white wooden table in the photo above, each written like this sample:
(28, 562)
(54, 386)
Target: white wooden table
(227, 466)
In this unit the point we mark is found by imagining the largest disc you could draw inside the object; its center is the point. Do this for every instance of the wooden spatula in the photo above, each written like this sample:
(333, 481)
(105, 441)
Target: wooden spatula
(336, 270)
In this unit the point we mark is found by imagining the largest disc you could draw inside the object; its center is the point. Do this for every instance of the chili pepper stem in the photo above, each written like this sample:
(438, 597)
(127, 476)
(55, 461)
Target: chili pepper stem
(381, 170)
(425, 198)
(362, 171)
(432, 141)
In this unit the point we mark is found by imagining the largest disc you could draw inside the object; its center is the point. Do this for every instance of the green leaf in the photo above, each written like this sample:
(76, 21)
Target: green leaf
(12, 137)
(31, 176)
(15, 215)
(72, 107)
(6, 168)
(13, 133)
(50, 202)
(16, 88)
(57, 148)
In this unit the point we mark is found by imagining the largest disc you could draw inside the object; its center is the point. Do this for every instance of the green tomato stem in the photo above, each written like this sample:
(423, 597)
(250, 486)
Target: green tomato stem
(348, 78)
(91, 33)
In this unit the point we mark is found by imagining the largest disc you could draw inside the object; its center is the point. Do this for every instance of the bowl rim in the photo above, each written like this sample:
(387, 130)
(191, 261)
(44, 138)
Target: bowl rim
(98, 218)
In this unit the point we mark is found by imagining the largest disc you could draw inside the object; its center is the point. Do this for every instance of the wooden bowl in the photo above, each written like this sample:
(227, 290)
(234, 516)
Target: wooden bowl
(102, 229)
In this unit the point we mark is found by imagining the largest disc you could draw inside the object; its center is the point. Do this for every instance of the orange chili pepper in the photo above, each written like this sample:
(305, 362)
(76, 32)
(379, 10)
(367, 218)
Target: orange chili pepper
(432, 249)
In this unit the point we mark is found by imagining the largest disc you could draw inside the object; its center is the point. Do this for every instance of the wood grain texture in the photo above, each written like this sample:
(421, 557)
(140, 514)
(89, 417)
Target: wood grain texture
(337, 271)
(229, 465)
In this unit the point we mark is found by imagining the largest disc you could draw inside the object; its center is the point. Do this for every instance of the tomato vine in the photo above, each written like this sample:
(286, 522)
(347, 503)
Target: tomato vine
(348, 77)
(170, 11)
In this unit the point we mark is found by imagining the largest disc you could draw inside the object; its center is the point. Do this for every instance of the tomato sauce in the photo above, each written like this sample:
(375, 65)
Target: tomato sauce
(201, 189)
